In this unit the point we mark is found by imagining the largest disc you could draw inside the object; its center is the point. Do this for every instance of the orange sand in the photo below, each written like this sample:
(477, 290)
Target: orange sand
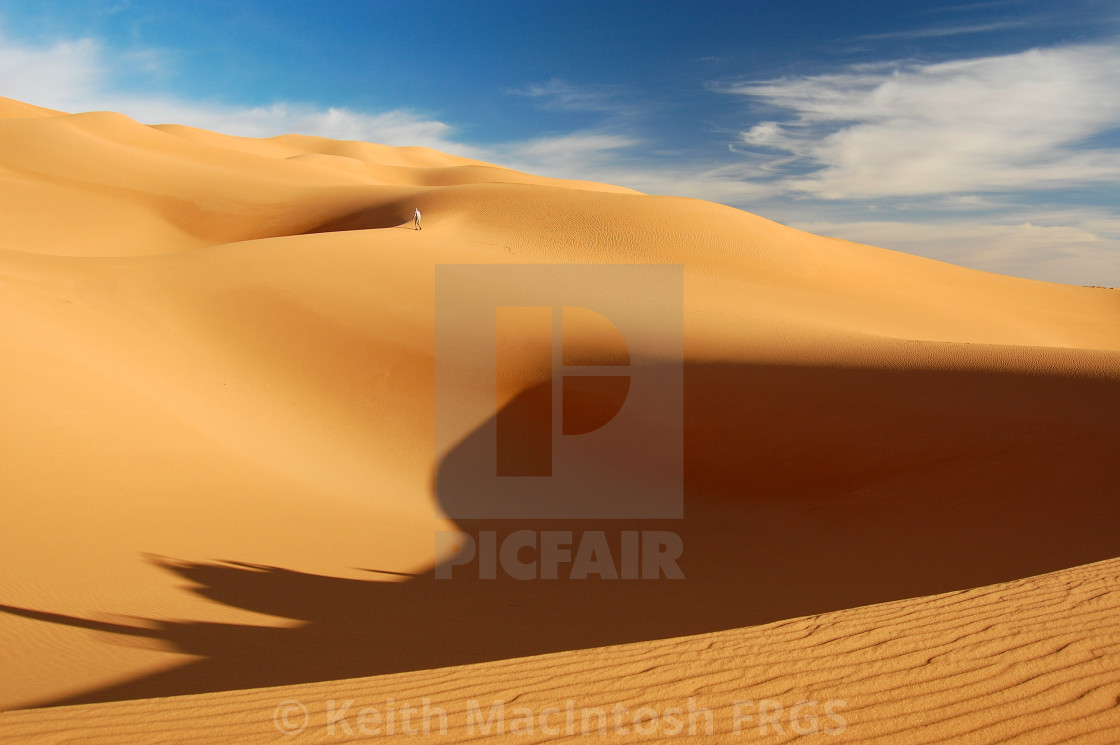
(220, 470)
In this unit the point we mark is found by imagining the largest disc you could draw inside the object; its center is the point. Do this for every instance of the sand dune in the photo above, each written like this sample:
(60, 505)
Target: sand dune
(1033, 660)
(221, 471)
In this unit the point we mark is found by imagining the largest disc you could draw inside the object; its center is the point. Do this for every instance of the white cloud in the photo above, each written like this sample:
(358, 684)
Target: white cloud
(79, 75)
(620, 159)
(1014, 122)
(564, 156)
(50, 75)
(1073, 248)
(563, 96)
(396, 127)
(938, 31)
(725, 184)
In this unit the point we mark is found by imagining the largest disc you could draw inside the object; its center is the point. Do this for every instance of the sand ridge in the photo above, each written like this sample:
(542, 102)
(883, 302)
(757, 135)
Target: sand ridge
(1033, 660)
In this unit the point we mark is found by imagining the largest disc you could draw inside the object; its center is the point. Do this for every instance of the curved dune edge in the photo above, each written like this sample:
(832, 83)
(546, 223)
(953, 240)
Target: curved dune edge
(1035, 660)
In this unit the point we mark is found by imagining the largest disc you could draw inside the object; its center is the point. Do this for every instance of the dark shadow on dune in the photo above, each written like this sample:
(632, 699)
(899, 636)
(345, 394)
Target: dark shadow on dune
(377, 216)
(807, 490)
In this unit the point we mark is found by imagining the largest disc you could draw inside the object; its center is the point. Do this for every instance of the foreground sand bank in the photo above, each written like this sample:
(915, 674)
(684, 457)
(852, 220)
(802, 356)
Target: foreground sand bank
(1035, 660)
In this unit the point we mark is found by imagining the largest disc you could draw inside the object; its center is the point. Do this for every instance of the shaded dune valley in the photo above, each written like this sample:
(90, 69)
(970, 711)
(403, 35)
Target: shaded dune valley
(227, 467)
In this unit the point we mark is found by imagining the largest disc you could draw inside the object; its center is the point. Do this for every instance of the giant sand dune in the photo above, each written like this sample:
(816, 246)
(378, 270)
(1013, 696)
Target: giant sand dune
(221, 472)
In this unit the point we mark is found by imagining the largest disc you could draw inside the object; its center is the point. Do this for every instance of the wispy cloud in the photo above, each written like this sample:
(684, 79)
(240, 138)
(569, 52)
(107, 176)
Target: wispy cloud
(394, 127)
(1074, 247)
(981, 5)
(569, 154)
(622, 159)
(83, 75)
(52, 74)
(1007, 123)
(941, 31)
(560, 95)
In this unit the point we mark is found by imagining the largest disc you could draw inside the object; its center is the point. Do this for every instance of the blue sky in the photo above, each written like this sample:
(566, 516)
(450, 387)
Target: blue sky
(982, 133)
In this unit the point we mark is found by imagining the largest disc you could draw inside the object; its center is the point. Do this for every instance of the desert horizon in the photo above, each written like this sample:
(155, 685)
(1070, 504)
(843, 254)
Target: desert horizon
(231, 485)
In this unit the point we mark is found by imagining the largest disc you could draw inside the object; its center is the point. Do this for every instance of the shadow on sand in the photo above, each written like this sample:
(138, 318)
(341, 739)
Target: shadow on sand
(807, 490)
(393, 214)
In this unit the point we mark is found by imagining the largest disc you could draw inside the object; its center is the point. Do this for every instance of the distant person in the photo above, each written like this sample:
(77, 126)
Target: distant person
(416, 219)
